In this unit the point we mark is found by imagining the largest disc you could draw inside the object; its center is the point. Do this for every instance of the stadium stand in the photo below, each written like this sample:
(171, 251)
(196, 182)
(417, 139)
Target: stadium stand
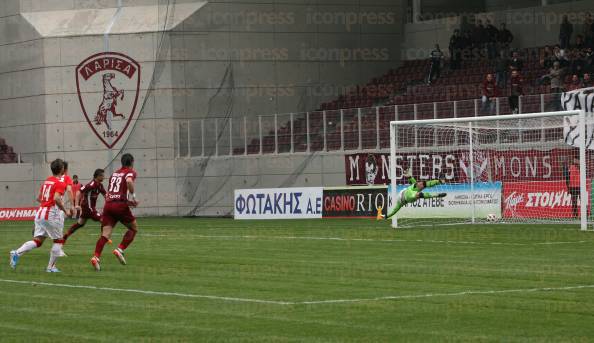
(404, 87)
(378, 89)
(407, 83)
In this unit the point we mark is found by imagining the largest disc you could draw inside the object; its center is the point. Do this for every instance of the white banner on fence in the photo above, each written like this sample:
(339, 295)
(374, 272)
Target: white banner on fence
(579, 99)
(278, 203)
(458, 203)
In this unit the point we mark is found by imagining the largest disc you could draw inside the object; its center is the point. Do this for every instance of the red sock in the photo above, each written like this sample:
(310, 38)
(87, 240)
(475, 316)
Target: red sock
(72, 229)
(99, 247)
(128, 238)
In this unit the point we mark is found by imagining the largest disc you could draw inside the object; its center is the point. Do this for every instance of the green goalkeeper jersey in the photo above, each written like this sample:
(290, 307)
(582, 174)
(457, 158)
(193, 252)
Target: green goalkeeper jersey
(411, 193)
(408, 195)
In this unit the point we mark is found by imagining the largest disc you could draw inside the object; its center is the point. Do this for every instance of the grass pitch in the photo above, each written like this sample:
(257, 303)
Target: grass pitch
(220, 280)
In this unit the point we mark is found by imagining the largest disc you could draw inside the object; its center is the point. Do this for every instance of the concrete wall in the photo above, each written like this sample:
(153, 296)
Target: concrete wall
(206, 185)
(218, 59)
(532, 27)
(282, 56)
(22, 80)
(16, 188)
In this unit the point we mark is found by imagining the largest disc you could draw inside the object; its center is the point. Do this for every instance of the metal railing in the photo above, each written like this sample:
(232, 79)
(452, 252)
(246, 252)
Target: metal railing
(329, 130)
(19, 160)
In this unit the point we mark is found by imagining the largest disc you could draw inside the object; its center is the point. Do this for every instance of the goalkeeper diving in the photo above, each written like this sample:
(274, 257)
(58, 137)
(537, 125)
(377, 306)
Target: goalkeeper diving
(415, 192)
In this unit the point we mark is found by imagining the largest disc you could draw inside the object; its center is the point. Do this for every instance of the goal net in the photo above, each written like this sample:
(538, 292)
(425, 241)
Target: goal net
(527, 168)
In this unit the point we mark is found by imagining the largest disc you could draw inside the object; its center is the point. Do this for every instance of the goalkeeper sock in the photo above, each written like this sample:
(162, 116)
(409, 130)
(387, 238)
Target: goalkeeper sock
(396, 209)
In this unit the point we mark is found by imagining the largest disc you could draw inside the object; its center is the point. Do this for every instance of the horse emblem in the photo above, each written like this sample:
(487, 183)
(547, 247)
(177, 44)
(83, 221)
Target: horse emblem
(102, 82)
(109, 103)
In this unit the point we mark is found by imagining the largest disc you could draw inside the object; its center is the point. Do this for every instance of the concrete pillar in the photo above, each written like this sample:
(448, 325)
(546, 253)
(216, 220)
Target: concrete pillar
(416, 10)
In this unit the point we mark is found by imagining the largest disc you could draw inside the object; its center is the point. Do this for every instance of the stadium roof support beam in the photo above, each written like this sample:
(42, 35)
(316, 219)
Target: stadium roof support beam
(130, 20)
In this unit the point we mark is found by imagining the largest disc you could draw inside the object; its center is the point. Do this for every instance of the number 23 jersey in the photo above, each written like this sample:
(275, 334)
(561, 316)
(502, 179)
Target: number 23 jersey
(117, 190)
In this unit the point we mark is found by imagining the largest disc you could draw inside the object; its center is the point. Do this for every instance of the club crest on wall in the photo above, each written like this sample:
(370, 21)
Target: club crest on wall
(108, 86)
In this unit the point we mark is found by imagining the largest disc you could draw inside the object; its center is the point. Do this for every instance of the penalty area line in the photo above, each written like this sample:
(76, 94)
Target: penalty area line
(312, 302)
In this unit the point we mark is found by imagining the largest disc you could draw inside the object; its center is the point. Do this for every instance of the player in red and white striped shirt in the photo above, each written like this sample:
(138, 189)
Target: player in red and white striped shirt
(65, 178)
(49, 219)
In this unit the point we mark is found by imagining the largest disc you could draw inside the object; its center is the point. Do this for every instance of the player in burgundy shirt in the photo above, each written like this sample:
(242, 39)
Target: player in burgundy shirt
(49, 219)
(120, 196)
(86, 200)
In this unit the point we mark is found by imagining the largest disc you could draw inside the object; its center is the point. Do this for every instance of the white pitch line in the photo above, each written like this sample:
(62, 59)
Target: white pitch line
(432, 295)
(553, 243)
(127, 290)
(312, 302)
(360, 239)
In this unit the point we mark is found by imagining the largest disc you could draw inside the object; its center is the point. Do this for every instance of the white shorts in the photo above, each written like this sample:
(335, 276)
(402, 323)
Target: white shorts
(51, 227)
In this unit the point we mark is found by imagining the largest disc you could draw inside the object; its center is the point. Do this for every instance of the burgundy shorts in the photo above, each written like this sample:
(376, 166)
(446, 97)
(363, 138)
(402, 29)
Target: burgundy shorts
(114, 212)
(87, 213)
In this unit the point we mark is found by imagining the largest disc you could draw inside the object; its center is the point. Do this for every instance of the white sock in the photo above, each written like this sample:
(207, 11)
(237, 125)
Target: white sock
(54, 254)
(27, 246)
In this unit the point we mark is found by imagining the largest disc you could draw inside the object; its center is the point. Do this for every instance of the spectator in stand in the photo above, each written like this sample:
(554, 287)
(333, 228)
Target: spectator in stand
(579, 42)
(565, 33)
(588, 60)
(490, 92)
(547, 57)
(516, 90)
(516, 62)
(574, 83)
(559, 56)
(587, 81)
(578, 62)
(555, 76)
(501, 68)
(491, 37)
(504, 38)
(435, 70)
(589, 31)
(479, 38)
(467, 46)
(455, 47)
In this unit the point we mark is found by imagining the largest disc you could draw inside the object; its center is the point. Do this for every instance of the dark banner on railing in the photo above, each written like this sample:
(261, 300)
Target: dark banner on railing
(489, 165)
(354, 202)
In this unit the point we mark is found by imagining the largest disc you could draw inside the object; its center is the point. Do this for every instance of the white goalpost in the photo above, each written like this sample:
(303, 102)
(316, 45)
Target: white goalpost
(521, 168)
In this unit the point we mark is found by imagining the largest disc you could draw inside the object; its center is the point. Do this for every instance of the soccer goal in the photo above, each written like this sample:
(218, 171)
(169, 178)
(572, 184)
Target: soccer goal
(524, 168)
